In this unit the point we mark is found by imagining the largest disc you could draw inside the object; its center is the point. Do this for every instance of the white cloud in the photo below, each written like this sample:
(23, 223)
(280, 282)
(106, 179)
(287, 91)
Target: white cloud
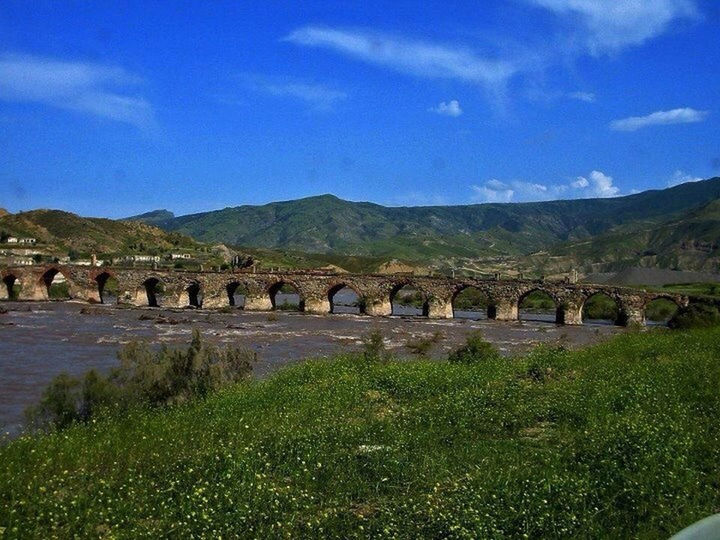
(80, 86)
(596, 184)
(587, 97)
(610, 25)
(681, 177)
(419, 58)
(318, 96)
(490, 193)
(685, 115)
(515, 190)
(451, 108)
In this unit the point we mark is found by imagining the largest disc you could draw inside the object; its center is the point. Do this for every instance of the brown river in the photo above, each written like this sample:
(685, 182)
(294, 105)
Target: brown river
(40, 340)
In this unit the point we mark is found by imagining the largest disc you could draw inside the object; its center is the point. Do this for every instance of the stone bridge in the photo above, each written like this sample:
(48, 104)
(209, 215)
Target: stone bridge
(173, 288)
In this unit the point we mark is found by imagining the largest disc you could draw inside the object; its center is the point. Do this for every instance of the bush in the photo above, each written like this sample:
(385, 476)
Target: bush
(476, 349)
(422, 346)
(695, 316)
(144, 377)
(374, 347)
(547, 362)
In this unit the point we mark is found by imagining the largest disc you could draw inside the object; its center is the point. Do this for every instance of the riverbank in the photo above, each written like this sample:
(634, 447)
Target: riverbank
(616, 440)
(39, 340)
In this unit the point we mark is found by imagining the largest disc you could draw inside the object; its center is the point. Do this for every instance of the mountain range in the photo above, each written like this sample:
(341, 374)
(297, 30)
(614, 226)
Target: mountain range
(677, 227)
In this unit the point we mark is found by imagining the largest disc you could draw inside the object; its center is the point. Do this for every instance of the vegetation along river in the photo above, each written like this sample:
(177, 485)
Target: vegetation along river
(40, 340)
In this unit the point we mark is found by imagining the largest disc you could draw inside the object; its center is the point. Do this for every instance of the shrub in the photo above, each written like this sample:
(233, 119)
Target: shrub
(422, 346)
(695, 316)
(547, 362)
(476, 349)
(144, 377)
(58, 404)
(374, 347)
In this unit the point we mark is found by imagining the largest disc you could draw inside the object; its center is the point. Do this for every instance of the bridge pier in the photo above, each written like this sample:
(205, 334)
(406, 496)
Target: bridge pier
(33, 291)
(215, 301)
(632, 311)
(440, 309)
(378, 307)
(632, 316)
(317, 306)
(504, 310)
(569, 314)
(88, 294)
(258, 303)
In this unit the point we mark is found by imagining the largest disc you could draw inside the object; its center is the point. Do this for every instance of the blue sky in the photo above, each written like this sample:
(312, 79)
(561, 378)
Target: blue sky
(111, 111)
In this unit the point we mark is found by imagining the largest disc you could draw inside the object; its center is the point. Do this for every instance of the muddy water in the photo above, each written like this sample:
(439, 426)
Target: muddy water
(41, 340)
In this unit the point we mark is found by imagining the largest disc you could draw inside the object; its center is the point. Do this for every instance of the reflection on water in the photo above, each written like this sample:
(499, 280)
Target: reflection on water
(40, 340)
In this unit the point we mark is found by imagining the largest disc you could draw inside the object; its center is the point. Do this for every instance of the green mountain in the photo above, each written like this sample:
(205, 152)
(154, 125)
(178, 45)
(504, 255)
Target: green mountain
(326, 224)
(154, 217)
(690, 240)
(59, 232)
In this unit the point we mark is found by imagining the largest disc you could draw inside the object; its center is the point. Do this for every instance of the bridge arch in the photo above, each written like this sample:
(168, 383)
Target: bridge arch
(408, 299)
(57, 284)
(659, 309)
(601, 307)
(191, 295)
(471, 302)
(108, 287)
(344, 297)
(286, 295)
(536, 304)
(237, 293)
(11, 284)
(153, 290)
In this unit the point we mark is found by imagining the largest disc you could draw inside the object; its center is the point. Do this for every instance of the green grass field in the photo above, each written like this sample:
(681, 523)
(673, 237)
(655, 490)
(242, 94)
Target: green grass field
(618, 440)
(696, 289)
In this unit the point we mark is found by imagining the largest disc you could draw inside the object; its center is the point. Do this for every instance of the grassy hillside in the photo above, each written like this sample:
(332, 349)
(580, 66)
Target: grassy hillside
(617, 441)
(690, 240)
(63, 231)
(327, 224)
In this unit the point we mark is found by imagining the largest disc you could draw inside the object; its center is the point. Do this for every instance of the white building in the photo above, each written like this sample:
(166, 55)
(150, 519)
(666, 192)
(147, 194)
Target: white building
(141, 258)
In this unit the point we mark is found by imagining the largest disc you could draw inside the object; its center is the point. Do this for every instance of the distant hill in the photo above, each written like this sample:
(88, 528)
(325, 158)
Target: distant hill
(651, 277)
(154, 217)
(62, 231)
(326, 224)
(688, 241)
